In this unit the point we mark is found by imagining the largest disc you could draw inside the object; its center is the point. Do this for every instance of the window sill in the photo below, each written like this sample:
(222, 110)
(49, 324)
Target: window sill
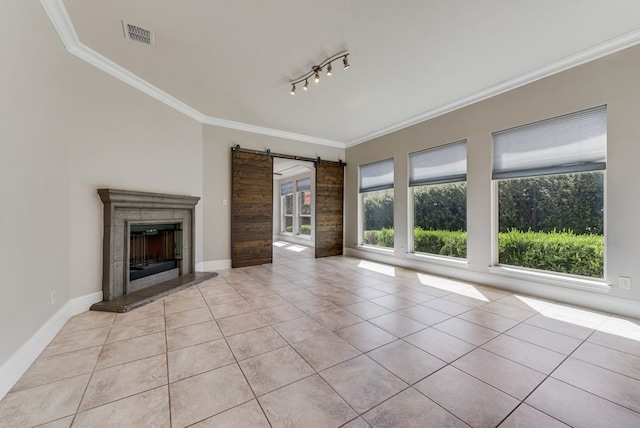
(441, 260)
(563, 280)
(374, 249)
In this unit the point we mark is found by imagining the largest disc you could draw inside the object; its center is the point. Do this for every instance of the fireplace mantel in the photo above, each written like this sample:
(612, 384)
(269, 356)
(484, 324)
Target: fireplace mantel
(123, 208)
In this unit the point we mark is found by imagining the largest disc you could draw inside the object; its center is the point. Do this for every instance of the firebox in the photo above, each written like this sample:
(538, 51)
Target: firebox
(153, 248)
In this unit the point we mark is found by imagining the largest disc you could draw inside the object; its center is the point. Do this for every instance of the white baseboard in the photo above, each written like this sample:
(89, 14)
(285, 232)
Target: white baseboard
(83, 303)
(213, 265)
(13, 369)
(589, 299)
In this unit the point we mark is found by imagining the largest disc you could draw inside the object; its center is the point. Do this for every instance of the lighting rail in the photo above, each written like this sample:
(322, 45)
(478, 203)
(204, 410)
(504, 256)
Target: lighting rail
(317, 69)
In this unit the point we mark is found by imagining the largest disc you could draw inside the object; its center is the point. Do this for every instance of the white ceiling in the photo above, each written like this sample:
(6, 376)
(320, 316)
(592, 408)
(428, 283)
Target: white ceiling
(232, 60)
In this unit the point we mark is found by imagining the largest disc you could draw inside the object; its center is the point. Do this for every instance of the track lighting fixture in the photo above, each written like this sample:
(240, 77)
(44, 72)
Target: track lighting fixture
(317, 69)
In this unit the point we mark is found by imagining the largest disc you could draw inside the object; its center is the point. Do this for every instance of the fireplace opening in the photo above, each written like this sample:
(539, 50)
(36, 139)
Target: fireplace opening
(153, 248)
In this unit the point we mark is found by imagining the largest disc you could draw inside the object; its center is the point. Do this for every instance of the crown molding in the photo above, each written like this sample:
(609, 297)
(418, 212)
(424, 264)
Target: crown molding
(57, 13)
(61, 21)
(611, 46)
(224, 123)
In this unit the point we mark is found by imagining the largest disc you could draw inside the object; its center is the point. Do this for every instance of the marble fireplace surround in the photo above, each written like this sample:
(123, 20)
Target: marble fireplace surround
(123, 208)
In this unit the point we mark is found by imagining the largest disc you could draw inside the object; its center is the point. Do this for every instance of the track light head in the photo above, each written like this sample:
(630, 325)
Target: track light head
(315, 71)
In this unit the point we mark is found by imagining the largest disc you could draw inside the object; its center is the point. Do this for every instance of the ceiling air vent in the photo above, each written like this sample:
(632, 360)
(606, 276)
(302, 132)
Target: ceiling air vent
(137, 33)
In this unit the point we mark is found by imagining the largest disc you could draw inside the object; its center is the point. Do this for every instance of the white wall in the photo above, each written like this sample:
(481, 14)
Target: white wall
(217, 181)
(68, 129)
(34, 178)
(123, 139)
(612, 80)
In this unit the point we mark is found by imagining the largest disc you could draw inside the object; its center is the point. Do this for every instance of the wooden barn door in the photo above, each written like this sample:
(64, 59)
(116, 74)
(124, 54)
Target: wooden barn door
(251, 209)
(329, 208)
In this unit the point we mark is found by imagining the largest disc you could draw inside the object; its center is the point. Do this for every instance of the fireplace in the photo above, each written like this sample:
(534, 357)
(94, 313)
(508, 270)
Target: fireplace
(148, 247)
(153, 248)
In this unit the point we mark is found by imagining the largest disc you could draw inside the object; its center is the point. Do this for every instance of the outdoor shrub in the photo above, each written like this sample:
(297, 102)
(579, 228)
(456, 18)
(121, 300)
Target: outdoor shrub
(441, 242)
(305, 229)
(370, 237)
(378, 209)
(563, 252)
(385, 238)
(381, 238)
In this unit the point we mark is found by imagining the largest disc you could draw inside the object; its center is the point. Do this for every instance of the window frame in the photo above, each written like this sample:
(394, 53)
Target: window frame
(361, 194)
(568, 280)
(297, 213)
(295, 224)
(411, 250)
(283, 215)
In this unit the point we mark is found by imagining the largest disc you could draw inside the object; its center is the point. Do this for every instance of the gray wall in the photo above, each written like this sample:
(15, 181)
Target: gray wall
(612, 80)
(67, 130)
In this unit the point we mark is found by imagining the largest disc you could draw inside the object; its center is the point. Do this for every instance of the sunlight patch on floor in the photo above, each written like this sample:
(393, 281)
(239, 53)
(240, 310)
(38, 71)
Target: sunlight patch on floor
(621, 326)
(296, 248)
(452, 286)
(378, 267)
(576, 316)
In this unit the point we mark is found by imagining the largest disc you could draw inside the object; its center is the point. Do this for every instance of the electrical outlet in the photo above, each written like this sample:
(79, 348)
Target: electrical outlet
(624, 282)
(53, 296)
(224, 202)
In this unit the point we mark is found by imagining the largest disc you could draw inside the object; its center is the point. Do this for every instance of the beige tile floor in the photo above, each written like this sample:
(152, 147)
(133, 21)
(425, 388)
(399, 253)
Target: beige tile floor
(335, 342)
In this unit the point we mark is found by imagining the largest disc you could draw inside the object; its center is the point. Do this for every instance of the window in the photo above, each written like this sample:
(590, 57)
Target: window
(286, 207)
(303, 189)
(549, 179)
(376, 203)
(438, 183)
(295, 207)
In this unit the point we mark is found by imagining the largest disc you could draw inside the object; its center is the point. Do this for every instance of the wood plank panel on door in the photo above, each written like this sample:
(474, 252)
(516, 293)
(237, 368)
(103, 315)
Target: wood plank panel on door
(251, 209)
(329, 209)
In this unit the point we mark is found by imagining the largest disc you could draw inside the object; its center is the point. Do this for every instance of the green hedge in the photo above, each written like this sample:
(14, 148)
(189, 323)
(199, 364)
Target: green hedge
(380, 238)
(563, 252)
(305, 229)
(442, 242)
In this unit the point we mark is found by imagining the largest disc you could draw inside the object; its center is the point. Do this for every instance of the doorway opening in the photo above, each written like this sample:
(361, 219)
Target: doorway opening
(294, 202)
(316, 205)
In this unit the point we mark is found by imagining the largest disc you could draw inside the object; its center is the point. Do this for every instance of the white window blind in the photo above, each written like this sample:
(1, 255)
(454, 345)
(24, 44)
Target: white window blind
(444, 164)
(376, 176)
(286, 188)
(575, 142)
(303, 185)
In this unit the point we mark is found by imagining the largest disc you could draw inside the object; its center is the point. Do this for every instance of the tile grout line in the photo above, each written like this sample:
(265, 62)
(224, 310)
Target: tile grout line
(237, 363)
(166, 358)
(257, 276)
(549, 375)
